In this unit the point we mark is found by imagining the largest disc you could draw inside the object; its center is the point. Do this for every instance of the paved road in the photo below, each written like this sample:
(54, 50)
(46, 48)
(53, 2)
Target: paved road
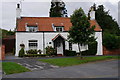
(101, 69)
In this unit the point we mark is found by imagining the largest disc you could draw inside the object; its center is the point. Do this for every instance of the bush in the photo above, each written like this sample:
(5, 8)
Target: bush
(32, 51)
(70, 53)
(92, 49)
(21, 52)
(35, 55)
(111, 42)
(50, 51)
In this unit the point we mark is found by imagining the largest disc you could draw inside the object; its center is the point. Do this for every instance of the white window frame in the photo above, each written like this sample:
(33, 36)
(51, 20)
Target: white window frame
(33, 44)
(35, 28)
(57, 27)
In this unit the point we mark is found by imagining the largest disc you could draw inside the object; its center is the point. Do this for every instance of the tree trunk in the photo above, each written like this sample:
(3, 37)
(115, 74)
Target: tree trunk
(79, 50)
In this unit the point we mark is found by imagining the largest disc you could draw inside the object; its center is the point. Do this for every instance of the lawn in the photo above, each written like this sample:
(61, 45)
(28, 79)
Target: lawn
(12, 67)
(76, 60)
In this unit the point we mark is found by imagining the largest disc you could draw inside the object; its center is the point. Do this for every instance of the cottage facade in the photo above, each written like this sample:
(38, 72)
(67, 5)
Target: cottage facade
(40, 32)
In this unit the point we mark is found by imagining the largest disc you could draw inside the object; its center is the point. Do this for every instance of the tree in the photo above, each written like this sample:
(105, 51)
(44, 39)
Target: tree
(4, 33)
(58, 9)
(107, 23)
(80, 32)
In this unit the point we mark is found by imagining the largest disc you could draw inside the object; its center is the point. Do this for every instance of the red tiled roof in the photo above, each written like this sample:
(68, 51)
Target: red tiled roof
(45, 23)
(94, 23)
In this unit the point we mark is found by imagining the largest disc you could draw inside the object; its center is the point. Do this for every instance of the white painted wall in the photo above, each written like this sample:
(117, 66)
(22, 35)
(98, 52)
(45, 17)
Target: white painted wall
(24, 37)
(98, 35)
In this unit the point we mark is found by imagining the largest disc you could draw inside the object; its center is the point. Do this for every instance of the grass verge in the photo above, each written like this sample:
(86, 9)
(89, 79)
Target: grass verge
(76, 60)
(12, 67)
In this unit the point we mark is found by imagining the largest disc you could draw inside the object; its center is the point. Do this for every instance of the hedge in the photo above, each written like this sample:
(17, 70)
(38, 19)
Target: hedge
(92, 49)
(21, 52)
(70, 53)
(35, 55)
(110, 41)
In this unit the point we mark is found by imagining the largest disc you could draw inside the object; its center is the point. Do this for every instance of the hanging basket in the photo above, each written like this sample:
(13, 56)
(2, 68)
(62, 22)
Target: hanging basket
(22, 45)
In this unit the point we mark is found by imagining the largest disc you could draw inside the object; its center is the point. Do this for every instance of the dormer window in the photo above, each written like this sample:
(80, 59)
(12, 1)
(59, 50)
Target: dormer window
(32, 28)
(59, 28)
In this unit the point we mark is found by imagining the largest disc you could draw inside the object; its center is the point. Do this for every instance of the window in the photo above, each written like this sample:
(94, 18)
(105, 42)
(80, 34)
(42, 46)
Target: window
(70, 46)
(33, 44)
(59, 29)
(32, 28)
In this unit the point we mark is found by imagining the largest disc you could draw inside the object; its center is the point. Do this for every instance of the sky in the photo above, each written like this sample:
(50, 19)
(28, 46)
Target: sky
(40, 8)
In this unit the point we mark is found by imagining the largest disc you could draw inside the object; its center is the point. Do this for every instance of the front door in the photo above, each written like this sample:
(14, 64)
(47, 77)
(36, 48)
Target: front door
(59, 45)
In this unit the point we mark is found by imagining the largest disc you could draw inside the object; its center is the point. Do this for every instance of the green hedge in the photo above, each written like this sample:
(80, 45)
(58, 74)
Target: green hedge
(21, 52)
(92, 49)
(110, 41)
(32, 51)
(70, 53)
(35, 55)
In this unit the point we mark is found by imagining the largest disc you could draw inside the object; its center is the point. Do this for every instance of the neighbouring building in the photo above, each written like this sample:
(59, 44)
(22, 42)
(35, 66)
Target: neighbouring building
(40, 32)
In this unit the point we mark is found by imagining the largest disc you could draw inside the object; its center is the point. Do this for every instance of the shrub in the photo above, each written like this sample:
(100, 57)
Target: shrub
(35, 55)
(32, 51)
(110, 41)
(92, 49)
(70, 53)
(21, 52)
(50, 51)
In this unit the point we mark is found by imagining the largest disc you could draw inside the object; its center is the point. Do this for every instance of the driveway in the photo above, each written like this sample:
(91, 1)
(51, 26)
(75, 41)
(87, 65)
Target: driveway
(99, 69)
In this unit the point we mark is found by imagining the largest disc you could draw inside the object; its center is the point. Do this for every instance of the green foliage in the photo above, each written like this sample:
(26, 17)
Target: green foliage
(70, 53)
(80, 32)
(107, 23)
(35, 55)
(92, 49)
(32, 51)
(56, 9)
(21, 52)
(4, 33)
(50, 51)
(12, 67)
(110, 41)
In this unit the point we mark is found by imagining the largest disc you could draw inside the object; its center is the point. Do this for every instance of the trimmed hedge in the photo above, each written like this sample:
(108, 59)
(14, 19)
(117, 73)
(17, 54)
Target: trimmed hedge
(35, 55)
(21, 52)
(32, 51)
(92, 49)
(70, 53)
(110, 41)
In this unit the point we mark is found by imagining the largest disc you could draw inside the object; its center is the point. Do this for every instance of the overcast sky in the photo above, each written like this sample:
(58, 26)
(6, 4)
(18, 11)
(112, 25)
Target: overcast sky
(39, 8)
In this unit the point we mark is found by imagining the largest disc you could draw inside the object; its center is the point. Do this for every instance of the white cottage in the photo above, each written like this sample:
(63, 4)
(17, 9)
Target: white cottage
(40, 32)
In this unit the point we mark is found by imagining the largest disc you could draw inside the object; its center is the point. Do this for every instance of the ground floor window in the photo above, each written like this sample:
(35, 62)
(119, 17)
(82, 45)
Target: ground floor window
(33, 44)
(70, 46)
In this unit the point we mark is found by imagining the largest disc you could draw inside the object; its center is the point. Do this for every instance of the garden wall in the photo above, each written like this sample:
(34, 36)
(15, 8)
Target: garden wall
(111, 52)
(2, 52)
(9, 45)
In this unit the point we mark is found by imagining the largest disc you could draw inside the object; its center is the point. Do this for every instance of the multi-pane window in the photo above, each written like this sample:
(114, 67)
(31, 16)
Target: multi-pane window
(59, 29)
(70, 46)
(32, 28)
(33, 44)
